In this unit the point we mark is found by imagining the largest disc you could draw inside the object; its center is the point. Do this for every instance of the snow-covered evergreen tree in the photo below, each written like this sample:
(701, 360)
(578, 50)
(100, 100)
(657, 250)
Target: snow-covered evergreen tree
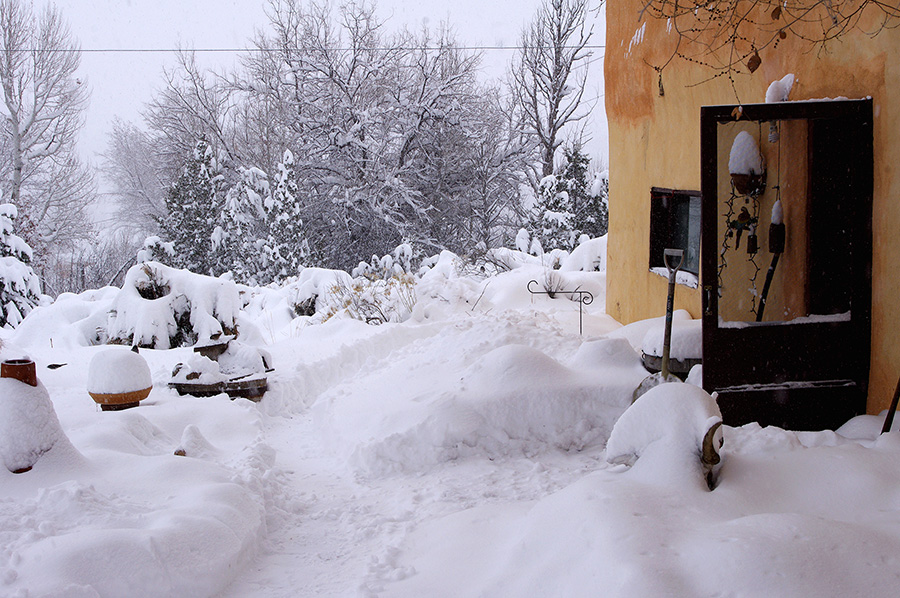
(286, 246)
(552, 222)
(194, 205)
(570, 204)
(587, 194)
(240, 238)
(593, 219)
(19, 285)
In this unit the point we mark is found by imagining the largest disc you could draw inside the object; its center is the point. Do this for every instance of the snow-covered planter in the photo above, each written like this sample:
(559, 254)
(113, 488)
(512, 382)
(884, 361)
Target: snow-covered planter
(673, 432)
(118, 379)
(29, 427)
(746, 165)
(686, 348)
(229, 367)
(160, 307)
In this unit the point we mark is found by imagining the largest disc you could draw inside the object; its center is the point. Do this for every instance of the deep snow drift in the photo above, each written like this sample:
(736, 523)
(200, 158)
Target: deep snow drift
(460, 452)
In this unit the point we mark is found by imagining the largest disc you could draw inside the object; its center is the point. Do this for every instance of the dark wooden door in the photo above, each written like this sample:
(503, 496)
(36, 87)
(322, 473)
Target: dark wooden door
(806, 365)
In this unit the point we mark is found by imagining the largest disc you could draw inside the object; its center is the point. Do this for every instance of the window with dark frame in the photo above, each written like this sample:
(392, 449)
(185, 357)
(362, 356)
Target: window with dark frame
(675, 224)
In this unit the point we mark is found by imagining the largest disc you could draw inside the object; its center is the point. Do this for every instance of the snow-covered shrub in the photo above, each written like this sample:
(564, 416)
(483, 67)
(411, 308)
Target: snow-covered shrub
(155, 250)
(19, 285)
(160, 307)
(374, 301)
(310, 292)
(382, 290)
(396, 263)
(589, 256)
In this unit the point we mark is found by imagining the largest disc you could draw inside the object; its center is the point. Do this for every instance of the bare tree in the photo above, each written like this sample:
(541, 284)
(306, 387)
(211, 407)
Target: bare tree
(195, 103)
(546, 80)
(134, 170)
(42, 107)
(727, 36)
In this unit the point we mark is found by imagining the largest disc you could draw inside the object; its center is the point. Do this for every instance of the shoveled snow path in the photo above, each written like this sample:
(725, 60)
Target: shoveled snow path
(338, 532)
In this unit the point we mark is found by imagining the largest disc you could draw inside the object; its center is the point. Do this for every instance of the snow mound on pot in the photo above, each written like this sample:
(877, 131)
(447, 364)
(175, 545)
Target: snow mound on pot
(118, 370)
(662, 433)
(29, 427)
(745, 157)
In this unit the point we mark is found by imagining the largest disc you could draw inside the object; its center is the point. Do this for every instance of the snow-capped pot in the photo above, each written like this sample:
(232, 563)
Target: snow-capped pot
(21, 369)
(746, 165)
(28, 423)
(118, 379)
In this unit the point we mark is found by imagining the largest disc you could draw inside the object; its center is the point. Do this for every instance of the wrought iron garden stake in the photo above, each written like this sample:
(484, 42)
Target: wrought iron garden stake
(584, 298)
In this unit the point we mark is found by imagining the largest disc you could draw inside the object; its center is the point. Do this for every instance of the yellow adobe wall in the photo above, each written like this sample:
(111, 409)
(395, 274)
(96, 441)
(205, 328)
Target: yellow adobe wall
(654, 141)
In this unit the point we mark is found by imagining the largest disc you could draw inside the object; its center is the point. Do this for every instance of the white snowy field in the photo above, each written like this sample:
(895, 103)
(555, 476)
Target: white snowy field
(458, 453)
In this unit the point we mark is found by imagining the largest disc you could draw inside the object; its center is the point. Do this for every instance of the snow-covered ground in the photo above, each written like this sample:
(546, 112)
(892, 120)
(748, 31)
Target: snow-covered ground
(458, 453)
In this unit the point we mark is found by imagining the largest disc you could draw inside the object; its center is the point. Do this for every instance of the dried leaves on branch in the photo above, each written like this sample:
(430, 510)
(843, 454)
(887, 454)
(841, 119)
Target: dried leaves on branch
(729, 36)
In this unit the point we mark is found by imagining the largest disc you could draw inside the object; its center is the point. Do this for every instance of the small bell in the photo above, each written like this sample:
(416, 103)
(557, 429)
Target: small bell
(752, 241)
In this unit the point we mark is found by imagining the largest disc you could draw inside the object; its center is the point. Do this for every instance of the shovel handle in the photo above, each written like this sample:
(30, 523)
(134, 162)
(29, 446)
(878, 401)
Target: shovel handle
(673, 259)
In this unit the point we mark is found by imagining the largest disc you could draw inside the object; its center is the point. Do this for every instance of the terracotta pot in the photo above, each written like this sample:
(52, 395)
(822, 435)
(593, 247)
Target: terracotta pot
(116, 401)
(21, 369)
(749, 184)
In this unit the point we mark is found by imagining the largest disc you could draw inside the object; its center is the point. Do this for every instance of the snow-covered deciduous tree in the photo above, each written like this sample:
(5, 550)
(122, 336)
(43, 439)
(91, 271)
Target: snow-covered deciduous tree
(194, 104)
(42, 107)
(546, 78)
(133, 168)
(19, 285)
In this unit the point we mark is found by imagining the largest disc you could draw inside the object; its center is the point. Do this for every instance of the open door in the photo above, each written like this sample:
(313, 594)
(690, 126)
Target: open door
(787, 308)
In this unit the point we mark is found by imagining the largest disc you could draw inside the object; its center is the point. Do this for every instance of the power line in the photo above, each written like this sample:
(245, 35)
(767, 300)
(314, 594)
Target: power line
(267, 50)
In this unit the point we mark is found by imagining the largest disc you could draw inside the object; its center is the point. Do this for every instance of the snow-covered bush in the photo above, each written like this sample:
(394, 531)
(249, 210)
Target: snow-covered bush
(161, 307)
(396, 263)
(310, 292)
(382, 290)
(374, 301)
(19, 285)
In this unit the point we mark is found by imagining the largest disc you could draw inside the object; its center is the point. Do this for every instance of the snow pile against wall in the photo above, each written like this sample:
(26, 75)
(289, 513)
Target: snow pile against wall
(161, 307)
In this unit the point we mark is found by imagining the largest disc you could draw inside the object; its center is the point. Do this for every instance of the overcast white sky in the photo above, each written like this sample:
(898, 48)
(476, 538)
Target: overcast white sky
(121, 82)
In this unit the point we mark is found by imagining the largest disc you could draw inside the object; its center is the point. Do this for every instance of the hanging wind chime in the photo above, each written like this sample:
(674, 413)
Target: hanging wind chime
(748, 181)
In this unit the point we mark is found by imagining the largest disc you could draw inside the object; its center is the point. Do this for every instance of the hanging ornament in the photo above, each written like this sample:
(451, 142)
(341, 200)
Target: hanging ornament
(752, 240)
(747, 166)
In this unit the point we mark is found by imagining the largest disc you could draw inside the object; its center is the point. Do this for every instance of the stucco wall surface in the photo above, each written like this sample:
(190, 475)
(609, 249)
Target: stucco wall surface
(654, 142)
